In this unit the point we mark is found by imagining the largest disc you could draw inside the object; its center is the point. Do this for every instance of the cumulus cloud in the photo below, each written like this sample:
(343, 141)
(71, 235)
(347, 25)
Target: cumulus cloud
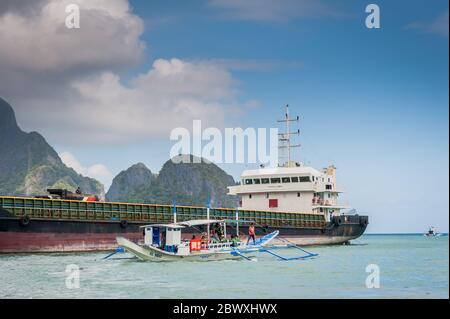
(98, 171)
(37, 39)
(66, 83)
(19, 5)
(39, 56)
(99, 109)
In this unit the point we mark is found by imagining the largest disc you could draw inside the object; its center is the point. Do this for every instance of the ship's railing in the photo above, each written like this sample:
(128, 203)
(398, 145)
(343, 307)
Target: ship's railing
(147, 213)
(322, 202)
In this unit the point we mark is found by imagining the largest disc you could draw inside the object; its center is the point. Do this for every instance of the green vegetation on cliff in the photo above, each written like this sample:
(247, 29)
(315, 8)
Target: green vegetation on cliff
(29, 165)
(186, 183)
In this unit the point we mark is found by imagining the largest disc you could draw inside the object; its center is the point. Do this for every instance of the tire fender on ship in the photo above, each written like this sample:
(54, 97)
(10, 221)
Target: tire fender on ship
(24, 221)
(338, 220)
(123, 224)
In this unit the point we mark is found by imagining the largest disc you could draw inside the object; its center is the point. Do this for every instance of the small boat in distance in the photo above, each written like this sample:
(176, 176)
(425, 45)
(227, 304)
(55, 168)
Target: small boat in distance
(432, 232)
(162, 242)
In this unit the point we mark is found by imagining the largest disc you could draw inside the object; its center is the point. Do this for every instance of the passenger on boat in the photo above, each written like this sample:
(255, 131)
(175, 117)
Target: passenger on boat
(204, 239)
(216, 233)
(213, 236)
(251, 233)
(163, 239)
(219, 232)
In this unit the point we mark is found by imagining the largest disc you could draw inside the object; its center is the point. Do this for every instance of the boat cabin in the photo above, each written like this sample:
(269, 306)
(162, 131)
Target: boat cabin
(168, 237)
(164, 236)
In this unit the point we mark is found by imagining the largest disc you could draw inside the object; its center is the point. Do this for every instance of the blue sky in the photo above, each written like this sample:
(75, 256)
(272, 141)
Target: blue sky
(374, 102)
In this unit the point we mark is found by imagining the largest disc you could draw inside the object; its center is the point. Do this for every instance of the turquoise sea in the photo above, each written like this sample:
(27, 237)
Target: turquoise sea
(410, 266)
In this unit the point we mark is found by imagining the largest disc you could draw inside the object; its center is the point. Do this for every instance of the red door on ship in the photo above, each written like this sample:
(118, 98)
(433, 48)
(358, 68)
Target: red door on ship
(273, 203)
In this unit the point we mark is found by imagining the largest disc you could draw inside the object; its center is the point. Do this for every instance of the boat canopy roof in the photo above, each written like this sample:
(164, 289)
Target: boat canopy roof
(240, 221)
(197, 222)
(164, 225)
(187, 223)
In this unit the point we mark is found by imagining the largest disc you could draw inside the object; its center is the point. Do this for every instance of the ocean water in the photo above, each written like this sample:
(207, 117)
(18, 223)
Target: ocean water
(410, 266)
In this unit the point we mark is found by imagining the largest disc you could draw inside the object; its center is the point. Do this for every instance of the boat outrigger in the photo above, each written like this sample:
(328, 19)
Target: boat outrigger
(163, 242)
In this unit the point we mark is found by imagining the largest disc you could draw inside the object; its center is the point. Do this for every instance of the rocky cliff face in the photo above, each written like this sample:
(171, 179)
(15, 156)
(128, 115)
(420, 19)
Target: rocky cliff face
(29, 165)
(131, 185)
(186, 183)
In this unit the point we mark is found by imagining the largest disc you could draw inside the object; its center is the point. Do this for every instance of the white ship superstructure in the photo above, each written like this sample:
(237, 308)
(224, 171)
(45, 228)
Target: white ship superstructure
(291, 187)
(297, 189)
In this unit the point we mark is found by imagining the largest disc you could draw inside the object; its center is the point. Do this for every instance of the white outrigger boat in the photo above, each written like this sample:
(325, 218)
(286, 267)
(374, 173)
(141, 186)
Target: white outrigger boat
(162, 242)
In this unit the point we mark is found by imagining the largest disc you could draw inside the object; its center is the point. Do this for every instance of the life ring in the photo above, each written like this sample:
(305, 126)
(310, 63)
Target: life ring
(338, 220)
(24, 221)
(123, 224)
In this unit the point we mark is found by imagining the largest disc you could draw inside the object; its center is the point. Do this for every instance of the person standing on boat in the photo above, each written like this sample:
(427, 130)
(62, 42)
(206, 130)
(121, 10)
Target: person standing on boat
(251, 233)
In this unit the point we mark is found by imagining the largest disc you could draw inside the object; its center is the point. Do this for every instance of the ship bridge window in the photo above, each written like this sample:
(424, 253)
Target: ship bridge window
(275, 180)
(248, 182)
(305, 179)
(257, 181)
(264, 180)
(294, 179)
(328, 186)
(285, 179)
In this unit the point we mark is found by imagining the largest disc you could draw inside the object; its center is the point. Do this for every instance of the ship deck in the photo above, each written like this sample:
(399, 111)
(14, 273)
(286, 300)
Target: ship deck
(60, 209)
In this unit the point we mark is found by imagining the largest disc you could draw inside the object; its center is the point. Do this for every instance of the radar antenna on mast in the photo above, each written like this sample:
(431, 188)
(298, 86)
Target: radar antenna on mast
(284, 138)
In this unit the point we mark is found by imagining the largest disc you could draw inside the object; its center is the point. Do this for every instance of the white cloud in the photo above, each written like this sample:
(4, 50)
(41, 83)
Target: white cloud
(65, 83)
(38, 40)
(100, 109)
(98, 171)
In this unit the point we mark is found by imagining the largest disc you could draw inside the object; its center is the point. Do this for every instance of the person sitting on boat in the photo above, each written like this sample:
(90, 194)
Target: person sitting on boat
(213, 236)
(204, 238)
(218, 233)
(251, 233)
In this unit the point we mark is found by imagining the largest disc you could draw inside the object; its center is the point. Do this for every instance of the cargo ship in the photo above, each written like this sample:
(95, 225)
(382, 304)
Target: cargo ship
(299, 201)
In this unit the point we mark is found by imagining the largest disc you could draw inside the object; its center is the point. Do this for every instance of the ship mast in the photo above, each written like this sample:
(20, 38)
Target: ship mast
(285, 137)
